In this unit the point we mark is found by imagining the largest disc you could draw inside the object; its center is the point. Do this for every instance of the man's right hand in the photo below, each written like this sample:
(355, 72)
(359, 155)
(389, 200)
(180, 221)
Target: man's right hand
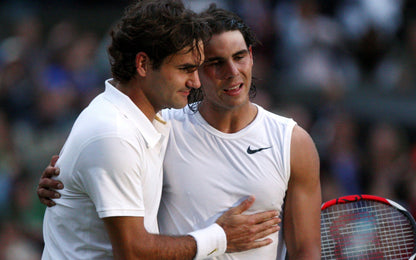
(47, 187)
(246, 232)
(243, 232)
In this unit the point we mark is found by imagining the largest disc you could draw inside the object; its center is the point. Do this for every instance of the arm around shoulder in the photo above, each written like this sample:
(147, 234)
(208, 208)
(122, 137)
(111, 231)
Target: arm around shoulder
(303, 199)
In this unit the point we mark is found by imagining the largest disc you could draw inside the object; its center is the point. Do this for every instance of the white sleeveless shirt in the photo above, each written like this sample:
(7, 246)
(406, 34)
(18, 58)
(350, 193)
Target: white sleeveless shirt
(207, 171)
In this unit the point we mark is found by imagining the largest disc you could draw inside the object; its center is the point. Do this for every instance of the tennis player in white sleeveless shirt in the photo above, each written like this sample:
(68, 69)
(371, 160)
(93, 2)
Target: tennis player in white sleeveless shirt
(208, 171)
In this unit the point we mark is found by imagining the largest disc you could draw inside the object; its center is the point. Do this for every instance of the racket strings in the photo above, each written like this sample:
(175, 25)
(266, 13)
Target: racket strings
(365, 230)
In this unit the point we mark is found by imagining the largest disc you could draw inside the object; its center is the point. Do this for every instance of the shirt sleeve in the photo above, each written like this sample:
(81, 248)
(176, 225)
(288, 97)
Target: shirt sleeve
(109, 171)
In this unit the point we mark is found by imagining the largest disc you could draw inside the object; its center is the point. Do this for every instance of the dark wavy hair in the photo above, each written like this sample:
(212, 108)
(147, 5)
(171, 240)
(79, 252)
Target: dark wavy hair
(159, 28)
(219, 21)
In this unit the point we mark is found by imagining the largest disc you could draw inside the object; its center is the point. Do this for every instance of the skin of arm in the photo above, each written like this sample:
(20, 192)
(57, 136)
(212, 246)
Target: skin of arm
(125, 231)
(303, 199)
(242, 234)
(130, 240)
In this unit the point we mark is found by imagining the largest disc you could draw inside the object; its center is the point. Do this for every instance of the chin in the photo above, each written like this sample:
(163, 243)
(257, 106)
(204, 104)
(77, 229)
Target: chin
(179, 105)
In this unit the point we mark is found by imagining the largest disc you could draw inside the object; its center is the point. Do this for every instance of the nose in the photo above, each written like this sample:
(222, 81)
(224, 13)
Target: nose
(230, 70)
(193, 81)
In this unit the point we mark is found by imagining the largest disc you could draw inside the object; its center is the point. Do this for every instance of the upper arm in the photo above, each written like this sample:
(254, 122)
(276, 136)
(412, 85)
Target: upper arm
(303, 199)
(109, 171)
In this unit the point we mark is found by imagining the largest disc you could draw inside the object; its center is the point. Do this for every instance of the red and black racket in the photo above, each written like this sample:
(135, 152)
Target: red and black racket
(366, 227)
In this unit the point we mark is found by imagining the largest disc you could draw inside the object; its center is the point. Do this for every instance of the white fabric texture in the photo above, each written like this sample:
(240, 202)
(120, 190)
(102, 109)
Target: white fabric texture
(111, 165)
(207, 172)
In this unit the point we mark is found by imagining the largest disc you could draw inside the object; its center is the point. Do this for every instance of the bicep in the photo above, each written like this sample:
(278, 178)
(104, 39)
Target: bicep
(109, 172)
(303, 198)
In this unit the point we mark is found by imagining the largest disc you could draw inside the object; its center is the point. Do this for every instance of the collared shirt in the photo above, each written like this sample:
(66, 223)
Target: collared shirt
(111, 165)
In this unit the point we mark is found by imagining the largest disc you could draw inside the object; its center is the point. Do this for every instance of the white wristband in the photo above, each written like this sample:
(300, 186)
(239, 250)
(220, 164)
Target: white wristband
(211, 241)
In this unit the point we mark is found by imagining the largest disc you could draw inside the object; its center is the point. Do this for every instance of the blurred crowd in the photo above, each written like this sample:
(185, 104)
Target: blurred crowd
(345, 70)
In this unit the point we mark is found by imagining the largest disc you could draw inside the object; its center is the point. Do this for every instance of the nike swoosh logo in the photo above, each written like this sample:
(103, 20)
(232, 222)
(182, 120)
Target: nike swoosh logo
(251, 151)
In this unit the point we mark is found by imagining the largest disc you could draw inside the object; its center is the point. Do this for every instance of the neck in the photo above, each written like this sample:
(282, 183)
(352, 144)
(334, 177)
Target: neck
(228, 120)
(133, 90)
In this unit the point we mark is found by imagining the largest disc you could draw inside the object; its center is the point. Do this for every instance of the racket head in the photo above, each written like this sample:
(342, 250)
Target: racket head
(366, 227)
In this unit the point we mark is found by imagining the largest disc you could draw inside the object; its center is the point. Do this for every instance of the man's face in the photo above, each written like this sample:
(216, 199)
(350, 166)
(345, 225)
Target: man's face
(169, 86)
(227, 70)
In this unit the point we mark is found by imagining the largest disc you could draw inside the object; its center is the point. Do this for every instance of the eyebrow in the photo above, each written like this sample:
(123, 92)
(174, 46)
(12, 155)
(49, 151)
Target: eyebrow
(188, 66)
(215, 58)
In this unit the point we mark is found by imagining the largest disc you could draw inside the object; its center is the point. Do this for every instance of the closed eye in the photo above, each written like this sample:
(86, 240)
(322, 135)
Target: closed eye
(239, 57)
(213, 63)
(189, 68)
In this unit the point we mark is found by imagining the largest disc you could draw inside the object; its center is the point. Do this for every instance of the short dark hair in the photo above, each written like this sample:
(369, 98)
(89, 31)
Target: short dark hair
(220, 20)
(159, 28)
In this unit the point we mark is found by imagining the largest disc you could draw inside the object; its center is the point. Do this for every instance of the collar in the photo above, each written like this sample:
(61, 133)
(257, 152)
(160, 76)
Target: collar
(125, 105)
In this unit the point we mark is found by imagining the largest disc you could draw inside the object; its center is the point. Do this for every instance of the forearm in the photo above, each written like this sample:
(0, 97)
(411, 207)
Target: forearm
(157, 247)
(200, 244)
(130, 240)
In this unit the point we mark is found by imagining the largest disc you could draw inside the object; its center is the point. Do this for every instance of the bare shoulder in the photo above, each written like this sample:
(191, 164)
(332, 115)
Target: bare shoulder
(301, 137)
(304, 155)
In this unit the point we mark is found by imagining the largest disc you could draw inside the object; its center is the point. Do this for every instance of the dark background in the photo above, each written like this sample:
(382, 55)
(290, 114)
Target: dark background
(345, 70)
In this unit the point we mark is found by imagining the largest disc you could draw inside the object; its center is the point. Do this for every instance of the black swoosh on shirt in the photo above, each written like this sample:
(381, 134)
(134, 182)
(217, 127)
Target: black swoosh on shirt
(251, 151)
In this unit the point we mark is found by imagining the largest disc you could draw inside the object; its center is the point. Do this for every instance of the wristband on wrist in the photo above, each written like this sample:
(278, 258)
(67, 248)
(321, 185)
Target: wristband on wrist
(210, 241)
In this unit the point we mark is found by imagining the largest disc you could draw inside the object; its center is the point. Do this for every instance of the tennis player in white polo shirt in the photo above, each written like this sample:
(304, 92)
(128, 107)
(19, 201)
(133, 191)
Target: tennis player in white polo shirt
(111, 163)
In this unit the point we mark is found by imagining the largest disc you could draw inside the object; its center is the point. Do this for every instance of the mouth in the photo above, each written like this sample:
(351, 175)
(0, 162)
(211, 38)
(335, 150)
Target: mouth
(236, 87)
(184, 93)
(235, 90)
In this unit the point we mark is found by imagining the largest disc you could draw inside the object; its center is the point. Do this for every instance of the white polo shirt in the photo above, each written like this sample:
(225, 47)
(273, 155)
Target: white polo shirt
(111, 165)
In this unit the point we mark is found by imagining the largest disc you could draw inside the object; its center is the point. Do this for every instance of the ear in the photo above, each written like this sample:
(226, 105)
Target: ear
(250, 51)
(142, 63)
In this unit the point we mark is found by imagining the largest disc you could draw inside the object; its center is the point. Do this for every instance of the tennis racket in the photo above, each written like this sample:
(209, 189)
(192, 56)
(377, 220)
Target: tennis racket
(366, 227)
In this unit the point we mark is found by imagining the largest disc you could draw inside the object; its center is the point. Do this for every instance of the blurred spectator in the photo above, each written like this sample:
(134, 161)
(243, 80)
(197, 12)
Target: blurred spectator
(14, 245)
(344, 154)
(388, 169)
(8, 166)
(301, 114)
(310, 51)
(315, 57)
(412, 183)
(371, 28)
(396, 73)
(200, 5)
(69, 80)
(20, 54)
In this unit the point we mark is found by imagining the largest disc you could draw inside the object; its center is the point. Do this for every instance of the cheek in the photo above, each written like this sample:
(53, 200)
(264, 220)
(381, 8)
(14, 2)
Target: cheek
(168, 77)
(246, 66)
(203, 77)
(208, 72)
(208, 84)
(208, 77)
(168, 82)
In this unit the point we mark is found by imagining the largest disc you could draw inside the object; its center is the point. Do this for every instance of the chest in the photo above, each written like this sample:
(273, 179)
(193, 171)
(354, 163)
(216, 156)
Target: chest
(215, 173)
